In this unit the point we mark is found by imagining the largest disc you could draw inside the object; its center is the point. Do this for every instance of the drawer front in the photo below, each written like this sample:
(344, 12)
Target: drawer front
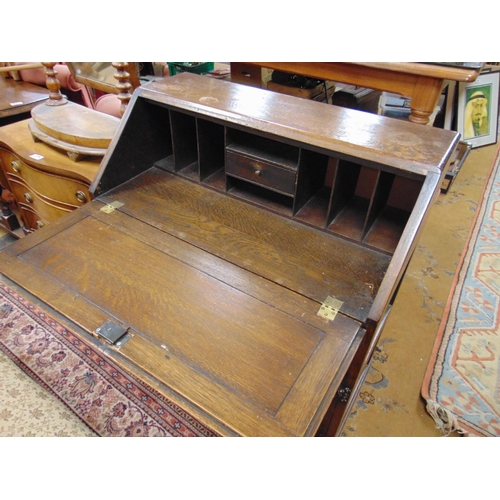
(28, 199)
(55, 188)
(261, 172)
(32, 220)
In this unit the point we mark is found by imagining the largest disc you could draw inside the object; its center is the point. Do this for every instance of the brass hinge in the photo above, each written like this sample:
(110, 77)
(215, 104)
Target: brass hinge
(111, 207)
(330, 307)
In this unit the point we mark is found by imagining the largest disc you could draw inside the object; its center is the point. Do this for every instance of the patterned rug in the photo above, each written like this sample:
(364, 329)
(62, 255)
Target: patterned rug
(462, 381)
(107, 399)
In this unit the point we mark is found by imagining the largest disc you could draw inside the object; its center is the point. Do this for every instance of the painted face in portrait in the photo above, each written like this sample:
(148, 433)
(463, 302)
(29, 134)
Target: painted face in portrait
(476, 115)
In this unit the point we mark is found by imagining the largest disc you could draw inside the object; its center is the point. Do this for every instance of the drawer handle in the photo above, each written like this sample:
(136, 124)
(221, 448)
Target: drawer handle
(258, 172)
(16, 166)
(28, 197)
(39, 224)
(81, 197)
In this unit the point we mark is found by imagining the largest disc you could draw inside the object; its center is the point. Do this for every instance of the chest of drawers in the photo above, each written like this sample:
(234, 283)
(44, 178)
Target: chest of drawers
(46, 184)
(244, 247)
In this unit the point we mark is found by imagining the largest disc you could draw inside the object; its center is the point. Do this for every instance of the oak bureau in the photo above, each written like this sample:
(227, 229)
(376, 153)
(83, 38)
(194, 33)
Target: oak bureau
(242, 251)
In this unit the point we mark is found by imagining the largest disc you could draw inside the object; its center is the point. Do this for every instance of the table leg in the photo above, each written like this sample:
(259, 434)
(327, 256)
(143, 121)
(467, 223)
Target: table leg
(425, 98)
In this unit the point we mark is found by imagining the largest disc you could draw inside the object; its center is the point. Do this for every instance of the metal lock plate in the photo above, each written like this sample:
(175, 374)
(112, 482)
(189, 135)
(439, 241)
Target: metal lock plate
(113, 333)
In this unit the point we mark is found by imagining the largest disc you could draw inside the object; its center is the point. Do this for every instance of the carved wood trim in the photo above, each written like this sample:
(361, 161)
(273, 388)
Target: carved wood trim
(124, 86)
(54, 86)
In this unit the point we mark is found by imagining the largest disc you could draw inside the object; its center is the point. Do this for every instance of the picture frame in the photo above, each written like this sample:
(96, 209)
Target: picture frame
(477, 117)
(457, 160)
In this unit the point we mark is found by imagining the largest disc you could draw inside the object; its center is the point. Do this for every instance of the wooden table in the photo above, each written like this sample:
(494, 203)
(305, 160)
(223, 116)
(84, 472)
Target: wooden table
(18, 97)
(418, 81)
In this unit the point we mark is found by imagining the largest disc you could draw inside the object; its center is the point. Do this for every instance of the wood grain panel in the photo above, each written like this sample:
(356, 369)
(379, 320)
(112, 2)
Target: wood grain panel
(197, 317)
(283, 251)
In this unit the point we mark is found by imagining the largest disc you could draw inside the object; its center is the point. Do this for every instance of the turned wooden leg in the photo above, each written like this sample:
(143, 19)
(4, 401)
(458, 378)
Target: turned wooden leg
(124, 86)
(53, 84)
(8, 218)
(424, 99)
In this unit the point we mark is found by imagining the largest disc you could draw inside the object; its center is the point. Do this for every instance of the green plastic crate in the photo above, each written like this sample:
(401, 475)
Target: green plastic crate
(198, 68)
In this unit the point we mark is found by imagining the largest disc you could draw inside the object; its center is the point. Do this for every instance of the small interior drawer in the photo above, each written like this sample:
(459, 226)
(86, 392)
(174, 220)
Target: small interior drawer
(261, 172)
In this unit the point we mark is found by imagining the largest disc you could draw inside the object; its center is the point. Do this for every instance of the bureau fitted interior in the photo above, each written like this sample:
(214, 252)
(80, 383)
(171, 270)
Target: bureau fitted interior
(362, 201)
(329, 192)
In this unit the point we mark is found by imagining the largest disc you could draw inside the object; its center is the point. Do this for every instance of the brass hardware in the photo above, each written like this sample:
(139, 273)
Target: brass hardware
(81, 197)
(107, 209)
(28, 197)
(257, 172)
(16, 166)
(39, 224)
(330, 307)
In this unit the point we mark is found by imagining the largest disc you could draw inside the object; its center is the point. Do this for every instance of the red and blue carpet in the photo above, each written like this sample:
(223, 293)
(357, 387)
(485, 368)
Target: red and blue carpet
(462, 382)
(108, 400)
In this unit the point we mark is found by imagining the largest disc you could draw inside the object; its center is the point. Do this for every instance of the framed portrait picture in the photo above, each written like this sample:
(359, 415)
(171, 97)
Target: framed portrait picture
(477, 117)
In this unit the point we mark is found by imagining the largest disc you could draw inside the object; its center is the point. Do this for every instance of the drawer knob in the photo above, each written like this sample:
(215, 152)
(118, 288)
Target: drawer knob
(257, 172)
(16, 166)
(39, 224)
(28, 197)
(81, 197)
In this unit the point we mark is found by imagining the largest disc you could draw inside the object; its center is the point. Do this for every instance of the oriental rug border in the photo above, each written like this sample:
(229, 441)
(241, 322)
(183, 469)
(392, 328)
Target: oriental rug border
(107, 399)
(462, 381)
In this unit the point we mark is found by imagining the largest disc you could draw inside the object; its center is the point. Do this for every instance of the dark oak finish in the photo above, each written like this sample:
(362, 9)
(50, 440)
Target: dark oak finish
(218, 272)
